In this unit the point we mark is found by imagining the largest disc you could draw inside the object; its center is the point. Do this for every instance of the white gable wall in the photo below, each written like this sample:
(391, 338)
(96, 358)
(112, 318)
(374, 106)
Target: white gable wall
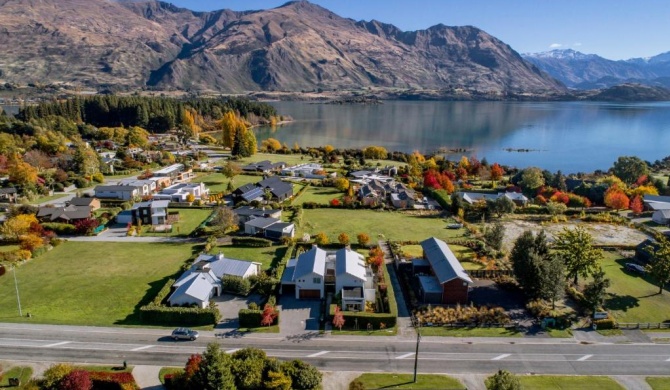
(307, 282)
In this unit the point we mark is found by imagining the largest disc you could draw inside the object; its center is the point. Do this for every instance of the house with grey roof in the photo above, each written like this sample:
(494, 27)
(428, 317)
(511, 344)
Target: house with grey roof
(68, 214)
(306, 275)
(93, 203)
(246, 213)
(152, 212)
(655, 202)
(445, 271)
(661, 217)
(474, 197)
(117, 192)
(222, 266)
(353, 280)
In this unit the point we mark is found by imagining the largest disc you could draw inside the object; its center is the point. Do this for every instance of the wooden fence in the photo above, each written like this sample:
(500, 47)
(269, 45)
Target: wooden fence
(489, 274)
(643, 325)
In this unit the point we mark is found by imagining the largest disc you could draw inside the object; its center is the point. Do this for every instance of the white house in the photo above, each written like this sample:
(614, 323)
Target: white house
(146, 187)
(195, 288)
(353, 280)
(308, 274)
(655, 202)
(222, 266)
(117, 192)
(308, 171)
(661, 217)
(180, 192)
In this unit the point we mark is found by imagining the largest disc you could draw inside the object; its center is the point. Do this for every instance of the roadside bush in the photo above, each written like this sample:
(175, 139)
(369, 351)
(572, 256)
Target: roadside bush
(252, 242)
(236, 285)
(182, 316)
(113, 380)
(605, 323)
(463, 314)
(54, 374)
(539, 308)
(507, 282)
(250, 318)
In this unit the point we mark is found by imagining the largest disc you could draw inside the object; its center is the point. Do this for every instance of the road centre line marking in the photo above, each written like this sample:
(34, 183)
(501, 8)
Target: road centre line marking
(668, 360)
(232, 350)
(317, 354)
(56, 344)
(585, 357)
(405, 355)
(501, 357)
(141, 348)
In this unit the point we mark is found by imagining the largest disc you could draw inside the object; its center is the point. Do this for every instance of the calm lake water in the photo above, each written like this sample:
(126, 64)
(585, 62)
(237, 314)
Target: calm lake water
(570, 136)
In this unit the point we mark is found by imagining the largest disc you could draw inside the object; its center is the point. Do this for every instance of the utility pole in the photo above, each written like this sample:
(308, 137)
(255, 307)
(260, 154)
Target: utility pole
(418, 339)
(16, 286)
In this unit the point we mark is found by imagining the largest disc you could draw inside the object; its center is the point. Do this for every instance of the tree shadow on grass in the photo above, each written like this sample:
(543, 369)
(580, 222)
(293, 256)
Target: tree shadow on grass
(621, 302)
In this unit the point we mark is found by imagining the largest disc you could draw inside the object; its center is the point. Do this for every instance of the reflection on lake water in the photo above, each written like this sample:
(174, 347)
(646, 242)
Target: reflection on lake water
(571, 136)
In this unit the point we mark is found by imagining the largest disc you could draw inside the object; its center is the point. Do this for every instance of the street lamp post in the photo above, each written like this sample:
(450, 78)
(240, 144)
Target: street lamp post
(418, 339)
(16, 286)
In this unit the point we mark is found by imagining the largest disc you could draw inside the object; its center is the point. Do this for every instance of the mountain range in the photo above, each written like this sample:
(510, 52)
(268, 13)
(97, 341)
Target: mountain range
(296, 47)
(590, 71)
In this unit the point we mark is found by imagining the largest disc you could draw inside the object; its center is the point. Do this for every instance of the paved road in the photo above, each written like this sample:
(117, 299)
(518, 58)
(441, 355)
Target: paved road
(338, 353)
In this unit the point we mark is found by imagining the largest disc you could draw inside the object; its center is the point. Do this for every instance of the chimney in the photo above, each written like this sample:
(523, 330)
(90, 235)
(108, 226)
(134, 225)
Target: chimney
(219, 256)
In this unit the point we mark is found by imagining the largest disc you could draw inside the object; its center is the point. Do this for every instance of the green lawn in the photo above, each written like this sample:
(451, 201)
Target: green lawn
(23, 373)
(559, 333)
(217, 182)
(363, 332)
(412, 251)
(91, 283)
(49, 198)
(260, 329)
(8, 248)
(406, 381)
(289, 159)
(633, 298)
(94, 368)
(469, 332)
(321, 195)
(264, 256)
(189, 220)
(394, 225)
(658, 383)
(559, 382)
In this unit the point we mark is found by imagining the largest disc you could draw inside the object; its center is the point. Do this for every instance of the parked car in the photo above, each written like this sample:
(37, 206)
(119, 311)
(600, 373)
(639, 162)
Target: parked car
(635, 268)
(184, 334)
(455, 226)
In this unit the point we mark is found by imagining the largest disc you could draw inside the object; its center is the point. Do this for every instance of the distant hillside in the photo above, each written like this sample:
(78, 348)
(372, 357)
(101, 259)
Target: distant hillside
(590, 71)
(631, 93)
(298, 46)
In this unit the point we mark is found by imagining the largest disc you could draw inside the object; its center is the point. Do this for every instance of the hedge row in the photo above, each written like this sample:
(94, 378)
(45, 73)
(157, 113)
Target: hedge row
(113, 380)
(163, 293)
(253, 242)
(252, 318)
(281, 266)
(191, 316)
(236, 285)
(62, 229)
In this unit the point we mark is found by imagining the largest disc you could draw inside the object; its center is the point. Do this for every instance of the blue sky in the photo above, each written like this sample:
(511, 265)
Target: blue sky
(615, 29)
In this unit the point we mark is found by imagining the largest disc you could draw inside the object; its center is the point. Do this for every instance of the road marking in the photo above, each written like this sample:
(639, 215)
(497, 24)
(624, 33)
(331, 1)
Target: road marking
(668, 360)
(57, 344)
(405, 355)
(585, 357)
(232, 350)
(501, 357)
(318, 354)
(141, 348)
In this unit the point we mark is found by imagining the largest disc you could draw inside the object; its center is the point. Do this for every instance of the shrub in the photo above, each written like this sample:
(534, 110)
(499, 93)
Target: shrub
(62, 229)
(113, 380)
(605, 323)
(252, 242)
(80, 182)
(76, 380)
(252, 318)
(98, 177)
(54, 374)
(264, 284)
(236, 285)
(539, 308)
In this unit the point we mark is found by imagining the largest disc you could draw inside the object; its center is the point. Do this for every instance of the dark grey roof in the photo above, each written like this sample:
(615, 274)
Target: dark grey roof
(312, 261)
(276, 186)
(8, 190)
(430, 284)
(116, 188)
(656, 198)
(81, 201)
(278, 227)
(67, 213)
(255, 193)
(261, 223)
(442, 260)
(248, 211)
(245, 188)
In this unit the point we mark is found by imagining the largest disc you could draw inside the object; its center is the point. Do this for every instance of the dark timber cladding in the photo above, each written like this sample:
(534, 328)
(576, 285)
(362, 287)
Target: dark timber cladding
(448, 271)
(310, 294)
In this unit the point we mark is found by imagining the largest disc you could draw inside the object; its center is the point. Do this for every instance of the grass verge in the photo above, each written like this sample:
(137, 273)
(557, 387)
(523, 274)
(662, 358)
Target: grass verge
(469, 332)
(406, 381)
(560, 382)
(658, 383)
(23, 373)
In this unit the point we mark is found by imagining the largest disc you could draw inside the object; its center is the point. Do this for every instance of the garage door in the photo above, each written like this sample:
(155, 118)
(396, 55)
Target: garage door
(310, 294)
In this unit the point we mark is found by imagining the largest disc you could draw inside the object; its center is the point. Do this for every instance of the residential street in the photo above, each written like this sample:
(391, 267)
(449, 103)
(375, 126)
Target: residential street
(141, 346)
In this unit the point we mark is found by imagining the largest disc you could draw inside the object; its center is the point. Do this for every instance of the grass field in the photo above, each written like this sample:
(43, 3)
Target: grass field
(463, 254)
(321, 195)
(469, 332)
(658, 383)
(189, 220)
(633, 298)
(8, 248)
(558, 382)
(406, 381)
(23, 373)
(91, 283)
(217, 182)
(393, 225)
(265, 256)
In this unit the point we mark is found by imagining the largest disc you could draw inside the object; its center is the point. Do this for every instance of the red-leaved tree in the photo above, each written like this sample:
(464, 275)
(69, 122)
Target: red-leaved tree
(86, 226)
(76, 380)
(636, 205)
(338, 318)
(192, 366)
(268, 316)
(616, 199)
(496, 172)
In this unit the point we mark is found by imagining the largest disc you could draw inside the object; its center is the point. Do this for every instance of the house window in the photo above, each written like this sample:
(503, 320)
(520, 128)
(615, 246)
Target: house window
(317, 280)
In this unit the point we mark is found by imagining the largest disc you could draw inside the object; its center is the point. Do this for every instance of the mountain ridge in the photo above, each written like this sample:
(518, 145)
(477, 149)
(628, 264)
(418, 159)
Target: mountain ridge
(297, 46)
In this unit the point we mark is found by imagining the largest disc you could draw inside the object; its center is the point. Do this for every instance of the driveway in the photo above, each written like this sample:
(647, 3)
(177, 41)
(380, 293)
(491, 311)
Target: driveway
(299, 317)
(230, 305)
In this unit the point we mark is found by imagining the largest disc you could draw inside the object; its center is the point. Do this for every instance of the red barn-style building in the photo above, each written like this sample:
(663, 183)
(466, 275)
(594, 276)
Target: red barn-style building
(447, 275)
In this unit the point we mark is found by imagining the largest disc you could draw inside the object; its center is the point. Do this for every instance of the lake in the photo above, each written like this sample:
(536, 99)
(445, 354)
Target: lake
(570, 136)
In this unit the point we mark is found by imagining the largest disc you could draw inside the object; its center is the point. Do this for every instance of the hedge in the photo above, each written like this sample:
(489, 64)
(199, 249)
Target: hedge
(252, 318)
(60, 228)
(442, 197)
(163, 293)
(252, 242)
(606, 323)
(236, 285)
(192, 316)
(113, 380)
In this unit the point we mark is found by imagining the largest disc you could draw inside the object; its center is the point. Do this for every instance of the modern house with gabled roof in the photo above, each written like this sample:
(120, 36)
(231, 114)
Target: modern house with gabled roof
(655, 202)
(68, 214)
(247, 193)
(343, 271)
(446, 272)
